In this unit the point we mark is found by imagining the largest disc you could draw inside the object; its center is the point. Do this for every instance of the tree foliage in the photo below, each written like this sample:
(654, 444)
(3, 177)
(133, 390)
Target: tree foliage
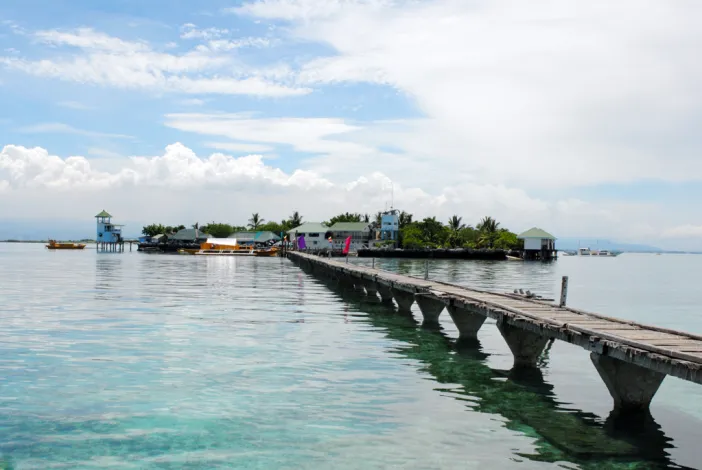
(218, 230)
(158, 229)
(345, 217)
(255, 221)
(430, 233)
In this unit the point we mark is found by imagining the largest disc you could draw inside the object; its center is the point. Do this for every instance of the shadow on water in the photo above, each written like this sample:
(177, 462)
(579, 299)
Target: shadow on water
(521, 396)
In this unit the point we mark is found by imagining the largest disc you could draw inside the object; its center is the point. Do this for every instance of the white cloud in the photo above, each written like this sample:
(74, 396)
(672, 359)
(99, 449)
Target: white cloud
(61, 128)
(684, 231)
(181, 183)
(110, 61)
(86, 38)
(191, 31)
(537, 94)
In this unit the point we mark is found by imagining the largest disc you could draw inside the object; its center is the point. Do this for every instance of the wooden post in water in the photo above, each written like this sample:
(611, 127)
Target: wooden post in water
(373, 263)
(564, 291)
(426, 269)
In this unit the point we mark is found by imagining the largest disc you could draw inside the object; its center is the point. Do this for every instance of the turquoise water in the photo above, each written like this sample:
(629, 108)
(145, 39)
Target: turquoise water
(175, 362)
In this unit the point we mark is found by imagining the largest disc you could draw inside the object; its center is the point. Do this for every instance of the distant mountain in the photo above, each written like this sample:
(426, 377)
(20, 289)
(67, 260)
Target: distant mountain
(603, 244)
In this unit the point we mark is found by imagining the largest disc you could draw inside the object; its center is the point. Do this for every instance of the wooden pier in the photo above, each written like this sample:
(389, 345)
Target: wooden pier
(631, 358)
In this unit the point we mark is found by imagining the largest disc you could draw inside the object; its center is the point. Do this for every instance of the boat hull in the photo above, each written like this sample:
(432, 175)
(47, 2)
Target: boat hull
(66, 246)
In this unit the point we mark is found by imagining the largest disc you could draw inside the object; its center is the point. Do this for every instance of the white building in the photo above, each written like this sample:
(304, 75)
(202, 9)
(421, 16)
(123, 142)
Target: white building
(360, 233)
(314, 235)
(538, 244)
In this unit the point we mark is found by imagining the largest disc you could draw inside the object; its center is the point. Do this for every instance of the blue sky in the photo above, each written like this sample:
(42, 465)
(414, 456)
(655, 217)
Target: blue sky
(551, 115)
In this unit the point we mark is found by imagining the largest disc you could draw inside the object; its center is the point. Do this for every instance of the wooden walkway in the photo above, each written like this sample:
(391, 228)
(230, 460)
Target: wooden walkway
(632, 358)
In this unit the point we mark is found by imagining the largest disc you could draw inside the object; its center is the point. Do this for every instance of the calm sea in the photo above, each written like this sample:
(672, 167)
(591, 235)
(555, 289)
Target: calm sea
(180, 362)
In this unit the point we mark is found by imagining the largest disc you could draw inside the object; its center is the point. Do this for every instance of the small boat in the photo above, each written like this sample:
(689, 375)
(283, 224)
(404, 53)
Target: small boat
(514, 258)
(54, 245)
(228, 247)
(588, 252)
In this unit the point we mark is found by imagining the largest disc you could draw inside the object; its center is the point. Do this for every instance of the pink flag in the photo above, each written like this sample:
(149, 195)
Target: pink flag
(347, 246)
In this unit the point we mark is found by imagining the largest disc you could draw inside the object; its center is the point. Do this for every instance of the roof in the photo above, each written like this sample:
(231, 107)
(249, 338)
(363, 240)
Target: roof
(310, 227)
(104, 213)
(257, 236)
(189, 234)
(349, 226)
(535, 232)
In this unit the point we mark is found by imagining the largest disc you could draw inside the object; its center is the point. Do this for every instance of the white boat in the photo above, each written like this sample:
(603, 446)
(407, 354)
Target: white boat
(589, 252)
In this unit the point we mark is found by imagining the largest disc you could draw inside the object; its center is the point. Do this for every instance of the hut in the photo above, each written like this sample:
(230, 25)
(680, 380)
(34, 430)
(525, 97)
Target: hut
(109, 234)
(538, 245)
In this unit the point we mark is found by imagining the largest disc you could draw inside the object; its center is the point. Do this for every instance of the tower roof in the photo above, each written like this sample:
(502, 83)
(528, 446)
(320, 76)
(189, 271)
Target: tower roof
(104, 213)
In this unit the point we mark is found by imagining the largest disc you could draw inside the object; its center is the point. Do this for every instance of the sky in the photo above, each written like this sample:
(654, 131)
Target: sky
(582, 118)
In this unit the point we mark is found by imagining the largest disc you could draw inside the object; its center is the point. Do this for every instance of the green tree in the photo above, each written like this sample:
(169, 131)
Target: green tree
(412, 237)
(455, 225)
(154, 229)
(255, 221)
(217, 230)
(489, 231)
(295, 219)
(507, 240)
(345, 217)
(378, 219)
(404, 219)
(275, 227)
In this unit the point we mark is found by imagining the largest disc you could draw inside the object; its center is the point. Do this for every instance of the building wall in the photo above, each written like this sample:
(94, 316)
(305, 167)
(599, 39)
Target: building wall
(389, 226)
(538, 243)
(108, 233)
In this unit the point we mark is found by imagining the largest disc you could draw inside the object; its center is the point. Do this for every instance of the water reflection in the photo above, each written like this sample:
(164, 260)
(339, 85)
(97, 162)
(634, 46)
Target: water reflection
(522, 396)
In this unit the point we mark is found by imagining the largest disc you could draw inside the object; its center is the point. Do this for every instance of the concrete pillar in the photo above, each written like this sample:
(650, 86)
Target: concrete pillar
(384, 291)
(525, 345)
(370, 287)
(467, 323)
(404, 299)
(358, 285)
(431, 308)
(632, 387)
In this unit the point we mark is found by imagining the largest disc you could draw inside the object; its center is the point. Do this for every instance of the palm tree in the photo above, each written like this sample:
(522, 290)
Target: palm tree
(378, 219)
(488, 228)
(455, 223)
(255, 221)
(404, 219)
(488, 225)
(366, 218)
(295, 220)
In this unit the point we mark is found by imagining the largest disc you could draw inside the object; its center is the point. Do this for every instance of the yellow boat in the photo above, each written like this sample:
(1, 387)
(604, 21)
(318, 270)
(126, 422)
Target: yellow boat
(54, 245)
(228, 247)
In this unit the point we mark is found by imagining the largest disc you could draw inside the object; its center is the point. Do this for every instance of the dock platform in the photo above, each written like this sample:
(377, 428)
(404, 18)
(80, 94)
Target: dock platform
(631, 358)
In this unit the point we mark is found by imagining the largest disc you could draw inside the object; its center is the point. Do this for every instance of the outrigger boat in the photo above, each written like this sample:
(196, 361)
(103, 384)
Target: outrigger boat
(54, 245)
(228, 247)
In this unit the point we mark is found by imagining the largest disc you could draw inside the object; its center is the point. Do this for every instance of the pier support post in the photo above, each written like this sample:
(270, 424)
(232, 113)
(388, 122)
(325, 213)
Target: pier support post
(359, 285)
(431, 308)
(525, 345)
(370, 287)
(404, 299)
(632, 387)
(384, 291)
(467, 323)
